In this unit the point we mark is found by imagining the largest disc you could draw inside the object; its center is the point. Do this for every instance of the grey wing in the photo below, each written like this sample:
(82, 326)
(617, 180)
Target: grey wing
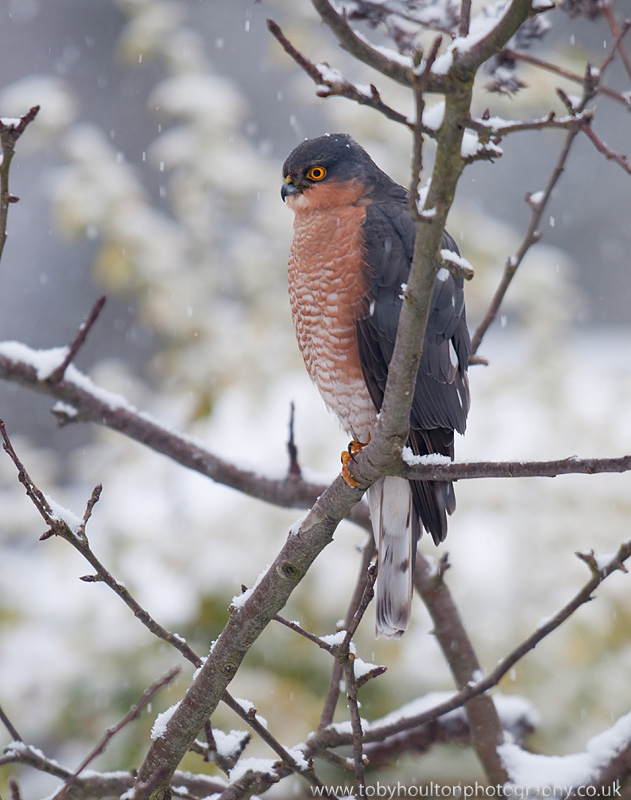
(441, 398)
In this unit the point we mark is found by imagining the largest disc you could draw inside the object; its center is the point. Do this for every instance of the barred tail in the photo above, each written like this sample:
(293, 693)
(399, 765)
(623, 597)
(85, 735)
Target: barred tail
(393, 521)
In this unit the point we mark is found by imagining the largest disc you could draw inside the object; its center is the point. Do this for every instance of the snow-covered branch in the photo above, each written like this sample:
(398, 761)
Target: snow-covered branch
(469, 712)
(81, 400)
(330, 82)
(434, 468)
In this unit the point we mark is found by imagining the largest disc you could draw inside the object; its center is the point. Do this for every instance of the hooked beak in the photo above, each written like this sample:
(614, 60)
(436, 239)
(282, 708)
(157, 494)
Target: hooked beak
(288, 188)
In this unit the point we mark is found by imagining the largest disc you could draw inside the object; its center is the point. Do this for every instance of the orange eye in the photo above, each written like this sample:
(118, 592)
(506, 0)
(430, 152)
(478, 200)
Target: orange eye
(316, 173)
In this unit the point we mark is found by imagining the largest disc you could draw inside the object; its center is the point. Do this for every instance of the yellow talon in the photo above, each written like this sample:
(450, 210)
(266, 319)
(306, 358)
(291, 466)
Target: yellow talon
(354, 447)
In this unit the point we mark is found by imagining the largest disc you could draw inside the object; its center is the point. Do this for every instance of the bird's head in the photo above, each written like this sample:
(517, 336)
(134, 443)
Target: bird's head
(328, 171)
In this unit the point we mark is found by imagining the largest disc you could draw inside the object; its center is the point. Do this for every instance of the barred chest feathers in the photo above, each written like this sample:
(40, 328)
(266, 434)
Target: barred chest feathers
(327, 296)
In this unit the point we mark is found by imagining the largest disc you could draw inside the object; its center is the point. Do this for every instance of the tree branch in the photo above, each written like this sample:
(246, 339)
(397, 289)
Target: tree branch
(132, 714)
(531, 237)
(618, 33)
(243, 628)
(333, 693)
(601, 569)
(10, 132)
(101, 784)
(75, 535)
(77, 343)
(472, 57)
(548, 66)
(485, 726)
(10, 726)
(19, 364)
(330, 83)
(397, 69)
(591, 86)
(551, 121)
(454, 470)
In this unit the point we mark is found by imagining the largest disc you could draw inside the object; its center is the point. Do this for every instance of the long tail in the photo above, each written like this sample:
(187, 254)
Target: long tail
(396, 530)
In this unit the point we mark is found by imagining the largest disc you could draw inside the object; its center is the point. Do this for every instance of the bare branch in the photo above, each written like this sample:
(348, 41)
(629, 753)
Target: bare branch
(519, 55)
(102, 784)
(484, 723)
(330, 83)
(356, 727)
(10, 726)
(80, 542)
(516, 469)
(550, 122)
(78, 341)
(10, 132)
(243, 628)
(333, 693)
(618, 158)
(592, 84)
(132, 714)
(618, 33)
(292, 450)
(296, 628)
(398, 70)
(94, 405)
(465, 18)
(330, 737)
(583, 596)
(514, 15)
(35, 495)
(531, 236)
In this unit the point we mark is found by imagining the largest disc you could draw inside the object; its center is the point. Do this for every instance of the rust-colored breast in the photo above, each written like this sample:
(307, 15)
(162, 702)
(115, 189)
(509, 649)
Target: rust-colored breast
(327, 293)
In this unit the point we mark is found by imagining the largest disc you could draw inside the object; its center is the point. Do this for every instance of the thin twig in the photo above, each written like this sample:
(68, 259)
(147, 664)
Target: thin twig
(352, 683)
(550, 122)
(9, 134)
(78, 341)
(610, 155)
(34, 494)
(294, 466)
(532, 234)
(419, 130)
(311, 637)
(356, 727)
(366, 599)
(465, 18)
(518, 55)
(618, 32)
(10, 726)
(516, 469)
(590, 88)
(251, 719)
(131, 715)
(333, 693)
(330, 83)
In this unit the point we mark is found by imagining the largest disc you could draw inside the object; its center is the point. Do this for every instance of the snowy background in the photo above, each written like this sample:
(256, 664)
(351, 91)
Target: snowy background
(153, 174)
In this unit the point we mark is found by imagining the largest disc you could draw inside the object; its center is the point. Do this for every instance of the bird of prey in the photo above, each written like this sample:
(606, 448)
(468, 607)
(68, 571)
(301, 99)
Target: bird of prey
(349, 260)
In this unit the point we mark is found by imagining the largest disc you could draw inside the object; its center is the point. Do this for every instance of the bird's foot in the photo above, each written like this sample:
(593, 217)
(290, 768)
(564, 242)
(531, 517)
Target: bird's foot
(354, 447)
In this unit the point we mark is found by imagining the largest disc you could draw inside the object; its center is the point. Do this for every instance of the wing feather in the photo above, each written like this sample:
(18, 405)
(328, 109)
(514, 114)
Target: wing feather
(441, 397)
